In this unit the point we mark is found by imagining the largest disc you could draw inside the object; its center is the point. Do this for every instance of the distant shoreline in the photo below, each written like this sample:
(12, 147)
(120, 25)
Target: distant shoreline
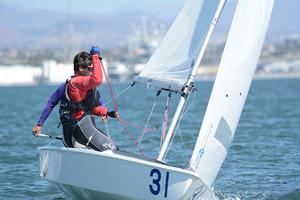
(286, 75)
(201, 77)
(257, 76)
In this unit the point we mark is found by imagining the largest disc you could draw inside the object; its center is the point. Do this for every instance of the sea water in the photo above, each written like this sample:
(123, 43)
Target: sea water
(263, 161)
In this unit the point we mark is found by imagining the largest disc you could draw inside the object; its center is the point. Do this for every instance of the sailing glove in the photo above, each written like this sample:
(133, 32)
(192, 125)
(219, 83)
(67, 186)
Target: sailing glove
(113, 114)
(95, 50)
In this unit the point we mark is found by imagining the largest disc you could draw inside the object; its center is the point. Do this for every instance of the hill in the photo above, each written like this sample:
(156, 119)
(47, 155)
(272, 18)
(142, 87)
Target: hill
(48, 28)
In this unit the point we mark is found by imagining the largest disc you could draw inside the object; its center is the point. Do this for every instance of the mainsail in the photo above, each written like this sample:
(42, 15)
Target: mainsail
(172, 63)
(231, 87)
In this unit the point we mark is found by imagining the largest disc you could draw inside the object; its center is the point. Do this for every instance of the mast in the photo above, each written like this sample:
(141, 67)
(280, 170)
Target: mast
(70, 32)
(189, 86)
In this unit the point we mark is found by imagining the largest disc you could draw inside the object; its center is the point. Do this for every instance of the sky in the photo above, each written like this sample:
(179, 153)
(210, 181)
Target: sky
(96, 6)
(93, 6)
(118, 15)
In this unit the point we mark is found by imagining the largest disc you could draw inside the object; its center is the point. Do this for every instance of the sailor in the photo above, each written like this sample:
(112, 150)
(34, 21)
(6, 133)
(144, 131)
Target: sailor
(79, 102)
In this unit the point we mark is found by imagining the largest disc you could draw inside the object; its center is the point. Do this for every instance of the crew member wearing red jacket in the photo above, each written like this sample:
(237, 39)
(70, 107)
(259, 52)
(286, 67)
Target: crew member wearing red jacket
(79, 99)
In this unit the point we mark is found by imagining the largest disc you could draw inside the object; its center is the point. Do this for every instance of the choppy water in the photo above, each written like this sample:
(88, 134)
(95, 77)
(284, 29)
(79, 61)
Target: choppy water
(263, 161)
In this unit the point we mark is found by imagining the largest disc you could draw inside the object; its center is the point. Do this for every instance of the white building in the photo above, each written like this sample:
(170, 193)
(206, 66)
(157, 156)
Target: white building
(19, 75)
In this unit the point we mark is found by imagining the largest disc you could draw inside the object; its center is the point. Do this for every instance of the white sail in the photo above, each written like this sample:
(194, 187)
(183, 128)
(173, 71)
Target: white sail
(184, 92)
(171, 64)
(231, 86)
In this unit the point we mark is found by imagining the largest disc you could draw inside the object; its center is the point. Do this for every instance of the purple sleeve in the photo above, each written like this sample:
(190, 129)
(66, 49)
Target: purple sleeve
(52, 102)
(101, 103)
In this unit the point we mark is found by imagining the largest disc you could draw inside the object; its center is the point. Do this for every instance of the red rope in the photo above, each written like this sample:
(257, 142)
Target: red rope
(138, 126)
(116, 109)
(130, 136)
(110, 87)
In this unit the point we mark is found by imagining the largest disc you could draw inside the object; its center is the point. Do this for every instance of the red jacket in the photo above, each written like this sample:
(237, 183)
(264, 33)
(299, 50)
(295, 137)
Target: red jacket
(80, 85)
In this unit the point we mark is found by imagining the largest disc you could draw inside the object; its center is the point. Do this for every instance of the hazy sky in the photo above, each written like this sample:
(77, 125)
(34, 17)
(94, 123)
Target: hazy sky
(95, 6)
(92, 5)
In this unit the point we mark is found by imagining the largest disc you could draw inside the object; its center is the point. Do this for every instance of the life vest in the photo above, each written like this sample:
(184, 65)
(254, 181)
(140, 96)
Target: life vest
(67, 107)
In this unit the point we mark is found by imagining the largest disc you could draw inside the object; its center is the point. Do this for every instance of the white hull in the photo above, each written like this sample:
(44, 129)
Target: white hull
(87, 174)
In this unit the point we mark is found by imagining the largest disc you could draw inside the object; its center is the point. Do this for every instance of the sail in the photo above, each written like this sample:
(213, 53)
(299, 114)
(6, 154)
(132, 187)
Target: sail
(237, 67)
(172, 62)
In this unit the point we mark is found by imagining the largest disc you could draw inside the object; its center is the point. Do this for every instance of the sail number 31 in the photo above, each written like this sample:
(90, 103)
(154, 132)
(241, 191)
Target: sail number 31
(155, 186)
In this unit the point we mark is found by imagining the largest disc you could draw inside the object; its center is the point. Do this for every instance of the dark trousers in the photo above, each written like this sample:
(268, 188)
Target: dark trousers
(85, 132)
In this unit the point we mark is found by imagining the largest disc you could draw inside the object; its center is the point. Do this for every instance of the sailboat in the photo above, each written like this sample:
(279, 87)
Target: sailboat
(88, 174)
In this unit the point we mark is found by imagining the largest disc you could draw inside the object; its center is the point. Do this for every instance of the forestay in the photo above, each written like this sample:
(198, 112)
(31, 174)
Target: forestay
(171, 64)
(231, 87)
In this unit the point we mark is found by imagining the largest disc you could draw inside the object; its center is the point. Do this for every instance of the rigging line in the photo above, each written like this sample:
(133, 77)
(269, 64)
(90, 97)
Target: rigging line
(153, 106)
(130, 136)
(165, 120)
(182, 115)
(120, 93)
(107, 130)
(51, 142)
(110, 88)
(188, 108)
(135, 125)
(126, 131)
(143, 132)
(180, 136)
(177, 126)
(184, 146)
(116, 108)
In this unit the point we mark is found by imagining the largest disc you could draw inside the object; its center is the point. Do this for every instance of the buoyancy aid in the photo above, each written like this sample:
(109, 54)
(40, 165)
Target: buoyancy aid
(67, 107)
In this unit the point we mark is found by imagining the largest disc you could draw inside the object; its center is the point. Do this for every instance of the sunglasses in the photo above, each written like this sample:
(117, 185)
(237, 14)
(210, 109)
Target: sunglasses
(89, 68)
